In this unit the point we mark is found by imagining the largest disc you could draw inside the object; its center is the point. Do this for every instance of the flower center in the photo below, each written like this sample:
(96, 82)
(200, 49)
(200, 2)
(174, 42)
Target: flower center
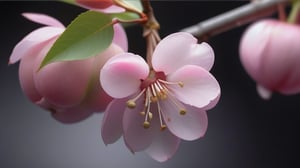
(155, 88)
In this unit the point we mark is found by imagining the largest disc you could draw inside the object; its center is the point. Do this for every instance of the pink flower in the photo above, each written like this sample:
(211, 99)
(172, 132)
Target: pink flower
(68, 89)
(106, 6)
(155, 108)
(270, 53)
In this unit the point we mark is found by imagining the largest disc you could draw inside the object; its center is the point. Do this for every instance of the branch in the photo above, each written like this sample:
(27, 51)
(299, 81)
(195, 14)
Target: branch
(234, 18)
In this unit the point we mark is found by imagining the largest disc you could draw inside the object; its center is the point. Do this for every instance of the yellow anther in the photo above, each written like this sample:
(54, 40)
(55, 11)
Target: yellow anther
(153, 99)
(150, 115)
(163, 127)
(182, 112)
(131, 104)
(146, 124)
(180, 84)
(164, 91)
(164, 97)
(142, 113)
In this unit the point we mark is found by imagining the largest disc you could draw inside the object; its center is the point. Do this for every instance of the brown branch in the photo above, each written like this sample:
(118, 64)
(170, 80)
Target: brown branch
(234, 18)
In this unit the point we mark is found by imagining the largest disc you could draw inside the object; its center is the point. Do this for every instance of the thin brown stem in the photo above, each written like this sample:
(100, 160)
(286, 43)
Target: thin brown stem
(150, 30)
(281, 12)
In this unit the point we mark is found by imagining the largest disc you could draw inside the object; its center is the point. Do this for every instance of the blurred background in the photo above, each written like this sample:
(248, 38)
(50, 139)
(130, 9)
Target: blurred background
(244, 131)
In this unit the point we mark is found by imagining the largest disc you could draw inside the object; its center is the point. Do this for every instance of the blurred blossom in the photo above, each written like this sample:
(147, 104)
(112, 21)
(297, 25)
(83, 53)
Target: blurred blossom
(70, 89)
(270, 53)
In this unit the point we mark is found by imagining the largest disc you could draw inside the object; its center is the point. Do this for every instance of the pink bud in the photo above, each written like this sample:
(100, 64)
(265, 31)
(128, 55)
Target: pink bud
(97, 4)
(270, 53)
(70, 89)
(105, 6)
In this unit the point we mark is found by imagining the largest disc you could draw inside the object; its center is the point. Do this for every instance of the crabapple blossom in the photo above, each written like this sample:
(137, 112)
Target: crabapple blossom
(270, 53)
(70, 89)
(156, 106)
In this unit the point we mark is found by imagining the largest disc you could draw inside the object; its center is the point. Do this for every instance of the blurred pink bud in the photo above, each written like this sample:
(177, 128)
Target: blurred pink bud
(270, 53)
(101, 4)
(106, 6)
(70, 90)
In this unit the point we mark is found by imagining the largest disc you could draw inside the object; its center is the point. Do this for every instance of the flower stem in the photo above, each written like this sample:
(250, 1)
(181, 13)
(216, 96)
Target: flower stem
(294, 11)
(150, 33)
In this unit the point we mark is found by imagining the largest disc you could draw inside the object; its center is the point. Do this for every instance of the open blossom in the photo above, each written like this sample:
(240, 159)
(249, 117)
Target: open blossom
(156, 106)
(69, 88)
(270, 53)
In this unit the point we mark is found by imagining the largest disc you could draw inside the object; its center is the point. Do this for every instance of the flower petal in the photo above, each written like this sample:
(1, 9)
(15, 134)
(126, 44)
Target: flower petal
(263, 92)
(113, 9)
(136, 137)
(71, 115)
(111, 129)
(200, 87)
(121, 75)
(33, 41)
(179, 49)
(163, 146)
(120, 37)
(189, 126)
(26, 70)
(43, 19)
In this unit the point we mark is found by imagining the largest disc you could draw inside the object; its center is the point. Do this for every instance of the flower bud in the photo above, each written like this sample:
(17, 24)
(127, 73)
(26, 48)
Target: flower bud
(95, 4)
(270, 54)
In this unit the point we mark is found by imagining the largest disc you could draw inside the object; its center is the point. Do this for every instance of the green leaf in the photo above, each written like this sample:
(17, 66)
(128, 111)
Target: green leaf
(125, 16)
(136, 4)
(88, 34)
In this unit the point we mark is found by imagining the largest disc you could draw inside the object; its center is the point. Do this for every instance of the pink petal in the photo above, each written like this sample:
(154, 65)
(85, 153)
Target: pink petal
(32, 40)
(63, 84)
(43, 19)
(112, 9)
(65, 115)
(26, 70)
(71, 115)
(111, 129)
(120, 37)
(163, 146)
(200, 87)
(179, 49)
(136, 137)
(121, 75)
(269, 51)
(190, 126)
(252, 46)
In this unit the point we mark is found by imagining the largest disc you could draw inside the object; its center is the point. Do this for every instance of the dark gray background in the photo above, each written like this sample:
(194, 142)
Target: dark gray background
(244, 131)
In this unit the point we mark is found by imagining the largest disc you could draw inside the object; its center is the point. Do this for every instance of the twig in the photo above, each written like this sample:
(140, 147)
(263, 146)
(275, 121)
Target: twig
(234, 18)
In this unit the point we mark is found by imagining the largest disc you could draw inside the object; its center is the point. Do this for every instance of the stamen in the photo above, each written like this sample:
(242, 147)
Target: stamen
(182, 112)
(131, 103)
(180, 83)
(162, 125)
(153, 94)
(150, 115)
(157, 90)
(146, 124)
(179, 105)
